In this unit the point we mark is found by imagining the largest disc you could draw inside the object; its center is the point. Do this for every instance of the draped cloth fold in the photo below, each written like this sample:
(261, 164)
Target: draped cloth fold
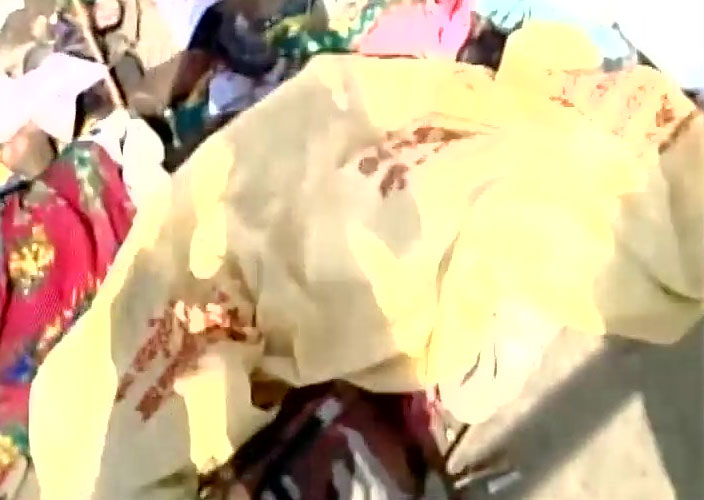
(386, 222)
(59, 234)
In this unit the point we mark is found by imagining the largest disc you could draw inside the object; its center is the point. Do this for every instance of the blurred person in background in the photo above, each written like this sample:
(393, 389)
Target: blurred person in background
(64, 213)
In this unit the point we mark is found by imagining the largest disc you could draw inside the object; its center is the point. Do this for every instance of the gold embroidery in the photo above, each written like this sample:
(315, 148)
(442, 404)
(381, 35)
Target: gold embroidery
(180, 337)
(29, 263)
(399, 150)
(8, 451)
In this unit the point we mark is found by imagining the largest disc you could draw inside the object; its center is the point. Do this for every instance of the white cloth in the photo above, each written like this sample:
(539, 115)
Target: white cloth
(183, 17)
(47, 96)
(134, 145)
(231, 92)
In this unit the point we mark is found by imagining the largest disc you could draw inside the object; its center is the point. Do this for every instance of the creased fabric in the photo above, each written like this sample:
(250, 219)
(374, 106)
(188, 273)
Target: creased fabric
(414, 28)
(47, 95)
(383, 222)
(427, 29)
(360, 445)
(60, 233)
(132, 144)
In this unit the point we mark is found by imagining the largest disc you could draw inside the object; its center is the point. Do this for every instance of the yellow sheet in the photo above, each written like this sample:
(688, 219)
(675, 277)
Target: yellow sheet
(382, 221)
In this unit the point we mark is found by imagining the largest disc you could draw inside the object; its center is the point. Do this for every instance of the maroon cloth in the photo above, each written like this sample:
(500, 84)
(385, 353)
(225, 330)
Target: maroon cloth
(330, 439)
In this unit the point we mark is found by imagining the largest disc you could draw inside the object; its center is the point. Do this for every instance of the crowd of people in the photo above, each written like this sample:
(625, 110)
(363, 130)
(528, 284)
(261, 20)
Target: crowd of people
(318, 233)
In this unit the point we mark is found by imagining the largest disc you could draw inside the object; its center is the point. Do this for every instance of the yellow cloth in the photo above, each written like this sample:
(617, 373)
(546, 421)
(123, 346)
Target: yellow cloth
(535, 201)
(5, 173)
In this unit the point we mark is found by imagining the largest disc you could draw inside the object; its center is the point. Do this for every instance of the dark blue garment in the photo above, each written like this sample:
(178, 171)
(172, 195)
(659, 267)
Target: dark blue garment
(243, 48)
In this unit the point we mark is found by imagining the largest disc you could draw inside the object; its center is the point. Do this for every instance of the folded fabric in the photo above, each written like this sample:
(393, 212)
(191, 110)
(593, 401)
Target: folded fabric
(230, 92)
(389, 234)
(47, 96)
(379, 27)
(361, 445)
(59, 234)
(14, 476)
(594, 18)
(20, 482)
(137, 148)
(432, 28)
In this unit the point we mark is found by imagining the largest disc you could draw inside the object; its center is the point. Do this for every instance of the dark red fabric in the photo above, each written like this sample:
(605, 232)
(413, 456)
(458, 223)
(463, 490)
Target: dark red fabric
(376, 443)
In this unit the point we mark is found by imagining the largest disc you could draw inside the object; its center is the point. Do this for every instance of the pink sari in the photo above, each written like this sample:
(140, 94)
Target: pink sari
(433, 28)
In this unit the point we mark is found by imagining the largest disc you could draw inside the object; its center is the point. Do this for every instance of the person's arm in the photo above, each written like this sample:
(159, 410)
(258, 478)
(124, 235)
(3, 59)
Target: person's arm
(28, 152)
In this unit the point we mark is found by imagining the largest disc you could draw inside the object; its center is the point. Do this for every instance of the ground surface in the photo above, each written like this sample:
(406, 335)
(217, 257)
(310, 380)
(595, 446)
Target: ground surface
(604, 420)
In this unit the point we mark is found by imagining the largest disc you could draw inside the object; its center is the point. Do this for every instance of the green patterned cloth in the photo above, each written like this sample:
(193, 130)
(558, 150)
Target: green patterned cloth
(293, 39)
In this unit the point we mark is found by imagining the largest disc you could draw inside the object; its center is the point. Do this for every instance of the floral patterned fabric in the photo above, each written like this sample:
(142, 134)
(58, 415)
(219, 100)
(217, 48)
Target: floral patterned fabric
(60, 233)
(377, 27)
